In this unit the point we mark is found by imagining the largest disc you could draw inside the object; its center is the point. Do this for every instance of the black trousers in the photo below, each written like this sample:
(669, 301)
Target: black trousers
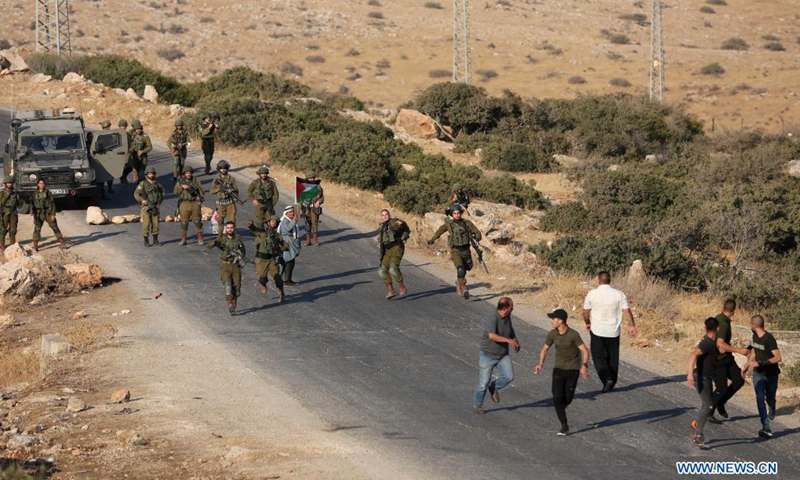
(564, 384)
(605, 355)
(726, 370)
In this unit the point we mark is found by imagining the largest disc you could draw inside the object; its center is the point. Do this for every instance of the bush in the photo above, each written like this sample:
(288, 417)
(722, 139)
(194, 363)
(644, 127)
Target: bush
(639, 18)
(374, 3)
(434, 5)
(315, 59)
(352, 53)
(775, 47)
(515, 157)
(619, 82)
(170, 54)
(509, 190)
(576, 80)
(176, 29)
(4, 44)
(707, 9)
(716, 2)
(714, 69)
(375, 15)
(619, 39)
(486, 75)
(411, 196)
(291, 68)
(770, 38)
(735, 43)
(383, 64)
(440, 74)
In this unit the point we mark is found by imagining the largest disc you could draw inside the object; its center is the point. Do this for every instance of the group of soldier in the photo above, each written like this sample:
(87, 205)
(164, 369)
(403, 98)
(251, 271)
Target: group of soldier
(43, 210)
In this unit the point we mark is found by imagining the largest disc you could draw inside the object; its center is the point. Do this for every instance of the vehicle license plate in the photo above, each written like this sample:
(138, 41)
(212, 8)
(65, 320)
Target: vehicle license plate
(59, 191)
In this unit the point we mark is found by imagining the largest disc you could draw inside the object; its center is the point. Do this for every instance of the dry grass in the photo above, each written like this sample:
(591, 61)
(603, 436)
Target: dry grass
(88, 336)
(18, 365)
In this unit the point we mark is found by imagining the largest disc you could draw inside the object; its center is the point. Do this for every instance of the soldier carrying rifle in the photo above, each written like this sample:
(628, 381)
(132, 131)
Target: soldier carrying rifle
(150, 194)
(43, 209)
(190, 196)
(232, 260)
(224, 186)
(264, 194)
(461, 234)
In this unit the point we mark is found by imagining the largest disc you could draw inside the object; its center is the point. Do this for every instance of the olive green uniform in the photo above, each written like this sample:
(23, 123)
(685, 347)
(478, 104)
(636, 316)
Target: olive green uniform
(207, 139)
(311, 213)
(226, 205)
(44, 210)
(269, 246)
(153, 192)
(9, 201)
(128, 168)
(458, 241)
(189, 201)
(140, 147)
(177, 143)
(392, 237)
(266, 193)
(230, 272)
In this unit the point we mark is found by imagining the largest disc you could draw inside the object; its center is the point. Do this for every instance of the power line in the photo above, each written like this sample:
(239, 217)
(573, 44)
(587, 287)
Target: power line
(462, 53)
(52, 27)
(658, 83)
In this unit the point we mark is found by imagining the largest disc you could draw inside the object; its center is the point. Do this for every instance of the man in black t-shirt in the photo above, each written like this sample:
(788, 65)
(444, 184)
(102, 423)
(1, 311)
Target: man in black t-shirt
(497, 338)
(702, 364)
(726, 367)
(764, 360)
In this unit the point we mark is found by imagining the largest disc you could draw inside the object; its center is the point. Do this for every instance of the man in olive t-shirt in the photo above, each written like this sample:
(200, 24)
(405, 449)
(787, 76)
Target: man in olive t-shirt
(764, 360)
(726, 367)
(572, 359)
(497, 338)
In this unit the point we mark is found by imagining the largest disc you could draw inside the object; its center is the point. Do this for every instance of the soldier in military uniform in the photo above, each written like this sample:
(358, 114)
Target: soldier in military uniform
(459, 197)
(269, 252)
(392, 235)
(123, 125)
(460, 231)
(226, 204)
(311, 209)
(190, 196)
(9, 202)
(230, 269)
(140, 147)
(150, 194)
(263, 192)
(44, 210)
(106, 125)
(208, 133)
(177, 142)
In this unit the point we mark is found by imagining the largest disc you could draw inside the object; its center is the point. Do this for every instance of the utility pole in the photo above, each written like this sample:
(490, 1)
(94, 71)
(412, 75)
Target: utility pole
(462, 55)
(52, 27)
(658, 83)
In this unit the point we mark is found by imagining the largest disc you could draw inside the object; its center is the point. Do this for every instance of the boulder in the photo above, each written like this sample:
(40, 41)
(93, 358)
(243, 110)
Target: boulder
(432, 221)
(566, 160)
(130, 437)
(16, 280)
(169, 218)
(75, 405)
(501, 237)
(20, 441)
(118, 220)
(13, 61)
(408, 168)
(84, 274)
(120, 92)
(73, 77)
(121, 396)
(636, 272)
(16, 251)
(132, 218)
(151, 94)
(176, 110)
(417, 124)
(41, 78)
(794, 168)
(131, 94)
(96, 216)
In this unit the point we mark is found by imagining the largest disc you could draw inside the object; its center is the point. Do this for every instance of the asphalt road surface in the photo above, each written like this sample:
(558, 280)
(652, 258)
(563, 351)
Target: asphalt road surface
(399, 375)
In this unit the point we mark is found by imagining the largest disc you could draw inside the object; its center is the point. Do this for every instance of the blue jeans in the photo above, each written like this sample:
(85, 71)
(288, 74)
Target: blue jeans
(505, 374)
(765, 394)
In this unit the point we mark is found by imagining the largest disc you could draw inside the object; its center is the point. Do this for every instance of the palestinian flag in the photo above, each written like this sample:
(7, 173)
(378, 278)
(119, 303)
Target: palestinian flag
(305, 189)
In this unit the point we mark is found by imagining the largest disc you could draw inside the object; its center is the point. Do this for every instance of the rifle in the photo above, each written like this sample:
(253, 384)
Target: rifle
(478, 251)
(229, 191)
(240, 259)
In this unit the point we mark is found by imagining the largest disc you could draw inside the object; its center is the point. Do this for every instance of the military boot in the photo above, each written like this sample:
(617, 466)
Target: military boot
(147, 241)
(156, 242)
(36, 245)
(200, 238)
(281, 296)
(316, 242)
(183, 239)
(390, 293)
(402, 287)
(232, 307)
(12, 239)
(308, 239)
(62, 243)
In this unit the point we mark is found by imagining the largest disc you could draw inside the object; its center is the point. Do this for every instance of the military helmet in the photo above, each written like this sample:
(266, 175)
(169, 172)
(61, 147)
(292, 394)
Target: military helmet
(273, 217)
(122, 123)
(178, 123)
(150, 170)
(136, 124)
(311, 174)
(105, 124)
(8, 179)
(188, 169)
(456, 207)
(223, 164)
(456, 187)
(262, 169)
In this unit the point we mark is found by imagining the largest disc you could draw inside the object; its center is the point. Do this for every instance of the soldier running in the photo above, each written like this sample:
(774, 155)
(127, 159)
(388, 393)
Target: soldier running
(311, 209)
(190, 196)
(460, 231)
(230, 268)
(269, 252)
(123, 125)
(140, 147)
(263, 192)
(207, 137)
(178, 142)
(150, 194)
(9, 202)
(44, 210)
(392, 236)
(226, 204)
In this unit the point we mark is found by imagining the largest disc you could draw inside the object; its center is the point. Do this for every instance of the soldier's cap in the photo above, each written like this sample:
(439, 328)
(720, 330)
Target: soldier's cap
(136, 124)
(559, 314)
(150, 170)
(188, 170)
(311, 174)
(8, 179)
(105, 123)
(122, 123)
(262, 169)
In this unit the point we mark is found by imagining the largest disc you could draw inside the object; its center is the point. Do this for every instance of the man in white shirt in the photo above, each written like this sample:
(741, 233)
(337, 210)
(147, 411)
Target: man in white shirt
(603, 309)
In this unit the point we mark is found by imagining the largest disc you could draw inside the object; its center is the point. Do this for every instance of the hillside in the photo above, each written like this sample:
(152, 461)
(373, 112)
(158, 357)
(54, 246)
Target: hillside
(387, 51)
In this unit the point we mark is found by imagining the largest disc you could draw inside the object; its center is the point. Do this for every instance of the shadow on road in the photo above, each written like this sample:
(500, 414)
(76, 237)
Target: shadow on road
(449, 290)
(339, 275)
(649, 417)
(313, 295)
(651, 383)
(93, 237)
(353, 236)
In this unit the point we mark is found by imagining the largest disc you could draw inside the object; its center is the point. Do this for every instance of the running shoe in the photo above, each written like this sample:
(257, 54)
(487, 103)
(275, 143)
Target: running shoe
(563, 431)
(722, 412)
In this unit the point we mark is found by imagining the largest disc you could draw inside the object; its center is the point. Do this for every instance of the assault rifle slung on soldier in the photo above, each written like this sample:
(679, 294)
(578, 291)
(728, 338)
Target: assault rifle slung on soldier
(229, 191)
(237, 254)
(478, 251)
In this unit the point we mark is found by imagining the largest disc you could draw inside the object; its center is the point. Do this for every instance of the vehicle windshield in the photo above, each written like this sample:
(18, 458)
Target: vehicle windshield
(52, 143)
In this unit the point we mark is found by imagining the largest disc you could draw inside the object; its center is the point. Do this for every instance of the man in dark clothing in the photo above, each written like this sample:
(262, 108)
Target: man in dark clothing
(572, 359)
(702, 363)
(764, 360)
(494, 352)
(726, 368)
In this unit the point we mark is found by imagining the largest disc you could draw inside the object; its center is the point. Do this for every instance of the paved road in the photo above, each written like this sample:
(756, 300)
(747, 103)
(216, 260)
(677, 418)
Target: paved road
(398, 376)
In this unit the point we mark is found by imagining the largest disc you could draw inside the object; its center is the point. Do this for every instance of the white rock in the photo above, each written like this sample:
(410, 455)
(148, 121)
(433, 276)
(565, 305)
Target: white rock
(794, 168)
(176, 110)
(16, 251)
(41, 78)
(16, 280)
(75, 405)
(118, 220)
(150, 94)
(131, 94)
(96, 216)
(73, 77)
(120, 92)
(20, 441)
(132, 218)
(636, 272)
(566, 160)
(125, 312)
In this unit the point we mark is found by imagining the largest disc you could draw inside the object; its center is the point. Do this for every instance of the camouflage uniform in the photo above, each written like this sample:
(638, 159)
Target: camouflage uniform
(140, 147)
(189, 201)
(207, 138)
(123, 125)
(9, 202)
(230, 271)
(460, 254)
(269, 251)
(226, 205)
(265, 193)
(44, 210)
(177, 143)
(153, 192)
(392, 237)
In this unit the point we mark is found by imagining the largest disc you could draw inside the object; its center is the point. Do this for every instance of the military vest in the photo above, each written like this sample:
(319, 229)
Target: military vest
(234, 243)
(187, 195)
(207, 132)
(152, 192)
(9, 199)
(42, 201)
(263, 191)
(270, 243)
(392, 235)
(177, 138)
(459, 233)
(139, 142)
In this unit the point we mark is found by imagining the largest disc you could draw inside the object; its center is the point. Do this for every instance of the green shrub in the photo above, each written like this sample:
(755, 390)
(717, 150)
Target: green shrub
(516, 157)
(509, 190)
(714, 69)
(716, 2)
(735, 43)
(619, 82)
(707, 9)
(412, 196)
(775, 47)
(576, 80)
(619, 39)
(567, 217)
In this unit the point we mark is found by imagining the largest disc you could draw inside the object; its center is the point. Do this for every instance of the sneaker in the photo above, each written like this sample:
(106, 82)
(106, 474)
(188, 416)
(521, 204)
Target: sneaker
(722, 411)
(771, 414)
(714, 420)
(465, 294)
(291, 283)
(765, 433)
(608, 386)
(699, 441)
(479, 410)
(563, 431)
(495, 394)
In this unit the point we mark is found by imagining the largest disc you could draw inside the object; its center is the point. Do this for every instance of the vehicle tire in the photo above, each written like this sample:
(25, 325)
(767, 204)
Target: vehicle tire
(24, 209)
